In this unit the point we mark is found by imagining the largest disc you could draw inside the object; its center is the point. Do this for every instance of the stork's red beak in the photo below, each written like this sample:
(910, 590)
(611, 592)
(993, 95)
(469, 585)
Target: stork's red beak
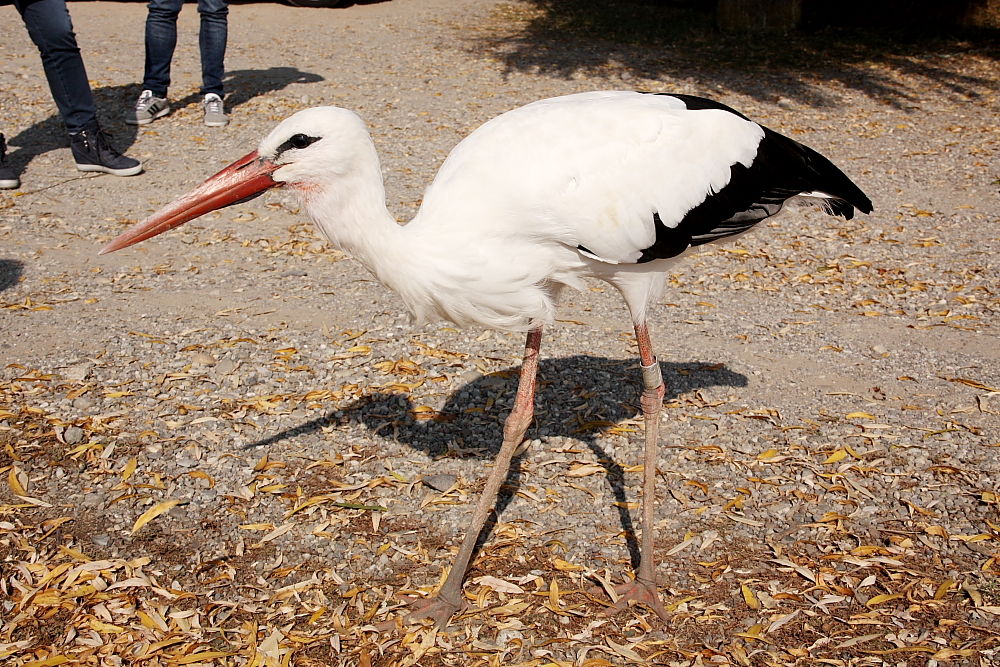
(248, 176)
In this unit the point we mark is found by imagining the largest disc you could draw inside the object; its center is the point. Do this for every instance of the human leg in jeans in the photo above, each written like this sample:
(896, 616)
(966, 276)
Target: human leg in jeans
(161, 39)
(212, 40)
(50, 28)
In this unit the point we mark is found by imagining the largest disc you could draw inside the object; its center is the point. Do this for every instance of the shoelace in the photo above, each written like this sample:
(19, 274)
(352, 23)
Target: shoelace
(145, 101)
(100, 142)
(213, 105)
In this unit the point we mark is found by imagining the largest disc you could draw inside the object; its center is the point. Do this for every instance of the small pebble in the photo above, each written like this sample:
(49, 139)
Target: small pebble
(78, 372)
(440, 482)
(203, 359)
(83, 403)
(226, 366)
(73, 435)
(471, 376)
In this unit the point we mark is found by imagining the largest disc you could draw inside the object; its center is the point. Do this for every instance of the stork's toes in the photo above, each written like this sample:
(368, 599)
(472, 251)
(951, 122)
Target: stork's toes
(640, 592)
(435, 608)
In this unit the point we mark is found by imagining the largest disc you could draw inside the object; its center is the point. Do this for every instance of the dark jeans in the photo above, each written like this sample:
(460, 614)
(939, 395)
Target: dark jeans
(51, 30)
(161, 38)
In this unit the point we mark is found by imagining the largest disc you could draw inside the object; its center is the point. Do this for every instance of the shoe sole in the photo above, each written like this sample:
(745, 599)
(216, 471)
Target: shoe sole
(216, 123)
(146, 121)
(131, 171)
(10, 184)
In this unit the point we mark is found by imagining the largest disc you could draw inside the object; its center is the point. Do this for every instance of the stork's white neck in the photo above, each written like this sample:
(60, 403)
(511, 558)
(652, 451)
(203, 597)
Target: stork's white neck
(350, 210)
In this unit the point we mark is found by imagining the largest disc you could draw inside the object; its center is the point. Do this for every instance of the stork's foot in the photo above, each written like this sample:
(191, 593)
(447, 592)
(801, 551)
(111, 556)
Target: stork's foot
(437, 609)
(641, 592)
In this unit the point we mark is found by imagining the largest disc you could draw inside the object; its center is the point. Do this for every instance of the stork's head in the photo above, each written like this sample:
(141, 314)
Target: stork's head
(305, 151)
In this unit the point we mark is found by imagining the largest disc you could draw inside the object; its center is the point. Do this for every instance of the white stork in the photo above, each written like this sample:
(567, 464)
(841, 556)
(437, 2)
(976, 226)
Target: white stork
(610, 185)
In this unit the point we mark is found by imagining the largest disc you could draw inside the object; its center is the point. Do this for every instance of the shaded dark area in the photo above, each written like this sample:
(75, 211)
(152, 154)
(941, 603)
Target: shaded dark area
(679, 40)
(10, 273)
(113, 102)
(928, 14)
(564, 385)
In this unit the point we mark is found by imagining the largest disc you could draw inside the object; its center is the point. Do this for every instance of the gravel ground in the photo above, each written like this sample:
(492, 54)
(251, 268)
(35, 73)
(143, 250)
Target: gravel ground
(829, 475)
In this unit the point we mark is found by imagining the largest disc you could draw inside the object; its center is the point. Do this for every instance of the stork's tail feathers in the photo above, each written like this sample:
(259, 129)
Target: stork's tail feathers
(831, 205)
(828, 185)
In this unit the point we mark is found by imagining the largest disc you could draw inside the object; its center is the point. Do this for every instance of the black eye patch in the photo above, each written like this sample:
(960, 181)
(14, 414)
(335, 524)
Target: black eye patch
(297, 141)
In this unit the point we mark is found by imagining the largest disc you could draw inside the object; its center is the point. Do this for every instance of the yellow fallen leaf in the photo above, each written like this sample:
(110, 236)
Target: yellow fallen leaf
(949, 653)
(204, 656)
(937, 531)
(753, 632)
(106, 628)
(153, 622)
(17, 480)
(585, 469)
(509, 609)
(51, 661)
(750, 598)
(49, 598)
(879, 599)
(860, 415)
(129, 468)
(153, 512)
(566, 566)
(838, 455)
(769, 454)
(625, 652)
(203, 475)
(274, 534)
(942, 590)
(272, 488)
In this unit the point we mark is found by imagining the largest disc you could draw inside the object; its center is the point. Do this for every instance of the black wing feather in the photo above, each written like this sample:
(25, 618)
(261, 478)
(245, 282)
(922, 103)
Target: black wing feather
(782, 169)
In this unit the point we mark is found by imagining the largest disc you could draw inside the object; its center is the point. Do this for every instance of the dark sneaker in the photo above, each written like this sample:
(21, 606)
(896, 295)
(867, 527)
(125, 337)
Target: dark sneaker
(93, 152)
(8, 179)
(147, 109)
(215, 114)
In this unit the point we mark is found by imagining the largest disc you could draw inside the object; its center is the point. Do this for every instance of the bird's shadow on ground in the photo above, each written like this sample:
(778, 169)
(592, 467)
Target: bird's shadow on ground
(679, 41)
(10, 273)
(577, 397)
(114, 102)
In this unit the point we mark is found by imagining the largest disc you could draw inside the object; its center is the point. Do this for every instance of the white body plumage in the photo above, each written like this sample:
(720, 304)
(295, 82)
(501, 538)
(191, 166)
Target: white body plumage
(499, 230)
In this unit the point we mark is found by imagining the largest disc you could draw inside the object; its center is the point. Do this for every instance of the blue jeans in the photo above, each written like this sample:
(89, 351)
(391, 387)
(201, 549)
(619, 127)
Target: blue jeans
(161, 38)
(51, 30)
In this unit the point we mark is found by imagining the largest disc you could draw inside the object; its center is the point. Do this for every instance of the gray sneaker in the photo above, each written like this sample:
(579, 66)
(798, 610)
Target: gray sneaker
(215, 114)
(147, 109)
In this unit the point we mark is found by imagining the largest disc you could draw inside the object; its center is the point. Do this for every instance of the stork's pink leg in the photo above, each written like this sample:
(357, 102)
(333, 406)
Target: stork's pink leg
(643, 589)
(449, 599)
